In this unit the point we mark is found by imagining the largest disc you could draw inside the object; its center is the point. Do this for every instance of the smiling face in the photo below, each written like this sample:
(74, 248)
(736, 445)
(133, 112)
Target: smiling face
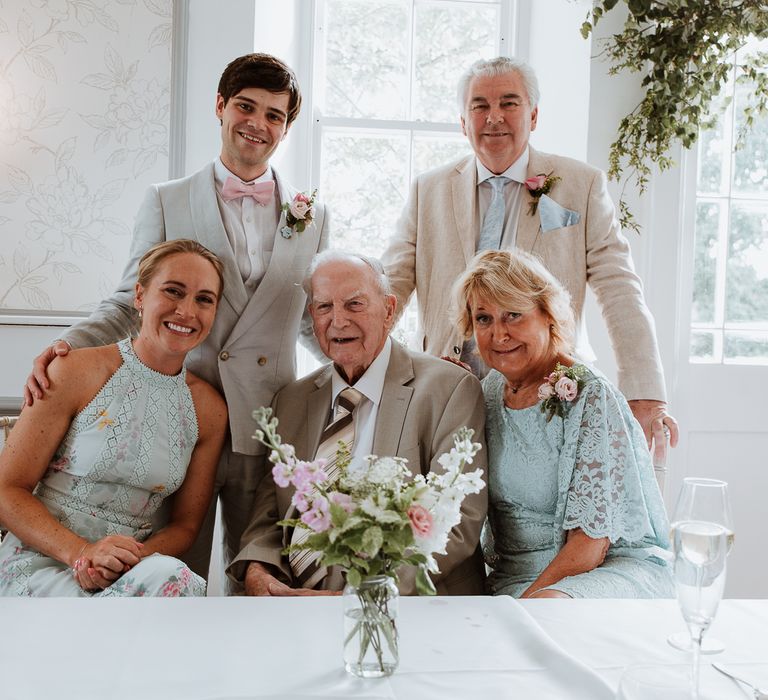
(352, 316)
(519, 345)
(498, 119)
(178, 306)
(253, 123)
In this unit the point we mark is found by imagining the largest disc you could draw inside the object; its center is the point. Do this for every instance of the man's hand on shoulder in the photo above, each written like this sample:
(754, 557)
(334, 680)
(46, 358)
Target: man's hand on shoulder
(258, 581)
(37, 382)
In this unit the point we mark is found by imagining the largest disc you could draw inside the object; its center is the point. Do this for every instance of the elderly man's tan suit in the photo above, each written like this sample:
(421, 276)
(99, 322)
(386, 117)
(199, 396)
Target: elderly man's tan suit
(423, 403)
(437, 237)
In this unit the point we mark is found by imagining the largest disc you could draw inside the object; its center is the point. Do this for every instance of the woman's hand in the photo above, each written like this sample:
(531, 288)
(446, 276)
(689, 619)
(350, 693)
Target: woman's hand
(101, 563)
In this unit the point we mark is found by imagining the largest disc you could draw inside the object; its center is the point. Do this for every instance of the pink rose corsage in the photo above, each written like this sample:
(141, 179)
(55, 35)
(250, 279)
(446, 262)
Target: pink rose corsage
(561, 387)
(298, 213)
(537, 186)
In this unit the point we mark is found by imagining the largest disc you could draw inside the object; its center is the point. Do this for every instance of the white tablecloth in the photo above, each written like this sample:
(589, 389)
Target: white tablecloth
(216, 648)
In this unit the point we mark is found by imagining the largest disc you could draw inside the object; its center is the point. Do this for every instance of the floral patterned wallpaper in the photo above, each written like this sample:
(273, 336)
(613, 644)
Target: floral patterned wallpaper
(84, 122)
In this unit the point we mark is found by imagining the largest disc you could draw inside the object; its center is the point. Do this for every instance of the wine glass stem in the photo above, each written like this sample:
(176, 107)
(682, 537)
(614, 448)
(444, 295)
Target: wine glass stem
(696, 634)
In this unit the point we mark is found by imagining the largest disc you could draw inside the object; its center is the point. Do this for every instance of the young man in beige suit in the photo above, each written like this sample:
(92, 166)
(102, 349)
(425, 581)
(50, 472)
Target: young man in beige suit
(233, 206)
(572, 227)
(409, 405)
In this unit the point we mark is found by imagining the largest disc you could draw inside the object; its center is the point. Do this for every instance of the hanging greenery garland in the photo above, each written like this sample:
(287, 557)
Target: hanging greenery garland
(684, 50)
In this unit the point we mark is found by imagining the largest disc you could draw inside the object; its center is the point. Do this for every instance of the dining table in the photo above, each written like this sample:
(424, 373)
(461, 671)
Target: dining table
(220, 648)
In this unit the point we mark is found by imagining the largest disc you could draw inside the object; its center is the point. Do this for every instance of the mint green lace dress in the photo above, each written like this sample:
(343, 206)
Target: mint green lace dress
(589, 470)
(123, 454)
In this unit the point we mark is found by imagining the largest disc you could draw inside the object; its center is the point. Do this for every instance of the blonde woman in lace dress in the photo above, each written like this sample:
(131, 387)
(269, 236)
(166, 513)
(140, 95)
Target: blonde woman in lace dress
(122, 428)
(574, 508)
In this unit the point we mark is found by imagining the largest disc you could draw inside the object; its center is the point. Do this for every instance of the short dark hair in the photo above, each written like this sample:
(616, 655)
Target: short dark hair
(260, 70)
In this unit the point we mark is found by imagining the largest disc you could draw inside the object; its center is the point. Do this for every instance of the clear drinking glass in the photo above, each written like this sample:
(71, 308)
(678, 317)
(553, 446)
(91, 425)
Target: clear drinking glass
(700, 551)
(703, 500)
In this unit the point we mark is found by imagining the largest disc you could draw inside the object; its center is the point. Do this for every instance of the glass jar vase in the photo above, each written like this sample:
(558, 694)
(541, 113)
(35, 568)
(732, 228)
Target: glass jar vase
(370, 627)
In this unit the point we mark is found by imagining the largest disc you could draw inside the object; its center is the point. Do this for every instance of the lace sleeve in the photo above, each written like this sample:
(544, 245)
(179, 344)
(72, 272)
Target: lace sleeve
(605, 496)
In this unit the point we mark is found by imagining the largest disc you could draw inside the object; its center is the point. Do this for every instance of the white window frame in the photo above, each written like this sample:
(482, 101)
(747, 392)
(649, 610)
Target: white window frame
(511, 15)
(725, 198)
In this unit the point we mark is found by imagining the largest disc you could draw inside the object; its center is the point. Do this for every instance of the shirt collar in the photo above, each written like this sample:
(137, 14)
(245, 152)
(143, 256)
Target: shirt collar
(518, 171)
(371, 384)
(221, 172)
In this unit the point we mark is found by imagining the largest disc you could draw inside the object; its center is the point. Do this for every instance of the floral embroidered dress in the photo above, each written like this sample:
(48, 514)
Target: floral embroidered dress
(590, 469)
(123, 454)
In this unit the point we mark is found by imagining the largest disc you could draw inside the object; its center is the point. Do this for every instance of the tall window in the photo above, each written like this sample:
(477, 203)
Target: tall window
(385, 101)
(730, 288)
(385, 106)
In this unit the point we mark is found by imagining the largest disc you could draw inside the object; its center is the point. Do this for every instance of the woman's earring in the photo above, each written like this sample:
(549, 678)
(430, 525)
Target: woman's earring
(140, 308)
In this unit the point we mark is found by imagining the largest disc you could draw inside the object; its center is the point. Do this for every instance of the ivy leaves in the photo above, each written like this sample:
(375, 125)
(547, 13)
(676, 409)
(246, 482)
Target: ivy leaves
(685, 51)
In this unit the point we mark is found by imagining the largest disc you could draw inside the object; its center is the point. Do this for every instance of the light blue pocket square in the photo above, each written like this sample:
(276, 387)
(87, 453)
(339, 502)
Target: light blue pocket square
(553, 216)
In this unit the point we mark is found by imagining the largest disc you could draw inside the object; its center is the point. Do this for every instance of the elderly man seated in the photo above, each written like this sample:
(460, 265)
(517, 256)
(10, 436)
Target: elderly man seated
(404, 404)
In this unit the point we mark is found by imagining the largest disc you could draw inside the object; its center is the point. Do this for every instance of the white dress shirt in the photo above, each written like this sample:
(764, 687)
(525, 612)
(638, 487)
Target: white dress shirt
(370, 385)
(250, 227)
(513, 196)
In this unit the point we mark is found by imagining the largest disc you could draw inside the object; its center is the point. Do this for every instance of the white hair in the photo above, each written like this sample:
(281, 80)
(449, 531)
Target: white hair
(334, 255)
(499, 66)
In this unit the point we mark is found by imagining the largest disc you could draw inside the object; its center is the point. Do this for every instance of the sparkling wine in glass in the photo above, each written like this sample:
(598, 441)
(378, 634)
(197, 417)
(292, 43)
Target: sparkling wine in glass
(703, 500)
(701, 548)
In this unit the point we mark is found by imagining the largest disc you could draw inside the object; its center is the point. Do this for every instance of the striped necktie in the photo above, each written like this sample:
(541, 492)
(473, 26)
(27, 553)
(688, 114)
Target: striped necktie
(493, 222)
(342, 428)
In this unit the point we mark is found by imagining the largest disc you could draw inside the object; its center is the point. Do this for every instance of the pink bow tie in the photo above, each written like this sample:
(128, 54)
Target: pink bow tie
(261, 191)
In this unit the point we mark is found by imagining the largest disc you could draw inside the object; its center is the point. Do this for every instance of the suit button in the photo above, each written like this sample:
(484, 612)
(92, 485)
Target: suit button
(223, 355)
(262, 361)
(456, 350)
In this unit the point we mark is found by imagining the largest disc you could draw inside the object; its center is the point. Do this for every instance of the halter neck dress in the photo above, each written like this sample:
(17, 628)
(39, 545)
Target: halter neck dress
(123, 454)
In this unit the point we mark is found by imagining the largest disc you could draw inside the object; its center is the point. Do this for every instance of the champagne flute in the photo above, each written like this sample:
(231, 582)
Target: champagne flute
(703, 500)
(701, 549)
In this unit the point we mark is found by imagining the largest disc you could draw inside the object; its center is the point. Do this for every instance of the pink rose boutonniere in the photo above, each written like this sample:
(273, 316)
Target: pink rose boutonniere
(298, 213)
(561, 387)
(537, 186)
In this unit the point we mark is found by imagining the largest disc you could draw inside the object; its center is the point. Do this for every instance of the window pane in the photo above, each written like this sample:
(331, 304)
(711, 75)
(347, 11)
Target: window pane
(364, 182)
(705, 263)
(750, 161)
(431, 151)
(747, 348)
(366, 70)
(710, 162)
(703, 346)
(747, 271)
(448, 37)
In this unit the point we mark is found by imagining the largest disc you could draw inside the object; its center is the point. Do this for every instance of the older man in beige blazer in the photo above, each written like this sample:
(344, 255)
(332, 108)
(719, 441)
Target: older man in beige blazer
(554, 207)
(412, 405)
(250, 352)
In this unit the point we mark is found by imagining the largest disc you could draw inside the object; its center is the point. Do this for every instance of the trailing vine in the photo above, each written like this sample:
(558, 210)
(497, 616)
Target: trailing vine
(684, 49)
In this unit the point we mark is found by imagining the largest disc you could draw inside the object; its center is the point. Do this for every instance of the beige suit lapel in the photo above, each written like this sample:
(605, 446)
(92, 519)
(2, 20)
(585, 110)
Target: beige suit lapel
(210, 232)
(464, 200)
(318, 412)
(529, 225)
(395, 399)
(272, 284)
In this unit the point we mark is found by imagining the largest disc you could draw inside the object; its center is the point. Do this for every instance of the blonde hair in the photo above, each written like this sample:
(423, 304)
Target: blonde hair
(518, 282)
(152, 259)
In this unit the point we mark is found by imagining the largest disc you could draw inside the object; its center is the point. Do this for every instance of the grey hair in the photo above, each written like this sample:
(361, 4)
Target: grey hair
(334, 255)
(501, 65)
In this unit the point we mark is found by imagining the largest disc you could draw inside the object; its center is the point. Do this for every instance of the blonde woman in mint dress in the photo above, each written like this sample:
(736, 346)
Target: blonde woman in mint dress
(574, 509)
(122, 428)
